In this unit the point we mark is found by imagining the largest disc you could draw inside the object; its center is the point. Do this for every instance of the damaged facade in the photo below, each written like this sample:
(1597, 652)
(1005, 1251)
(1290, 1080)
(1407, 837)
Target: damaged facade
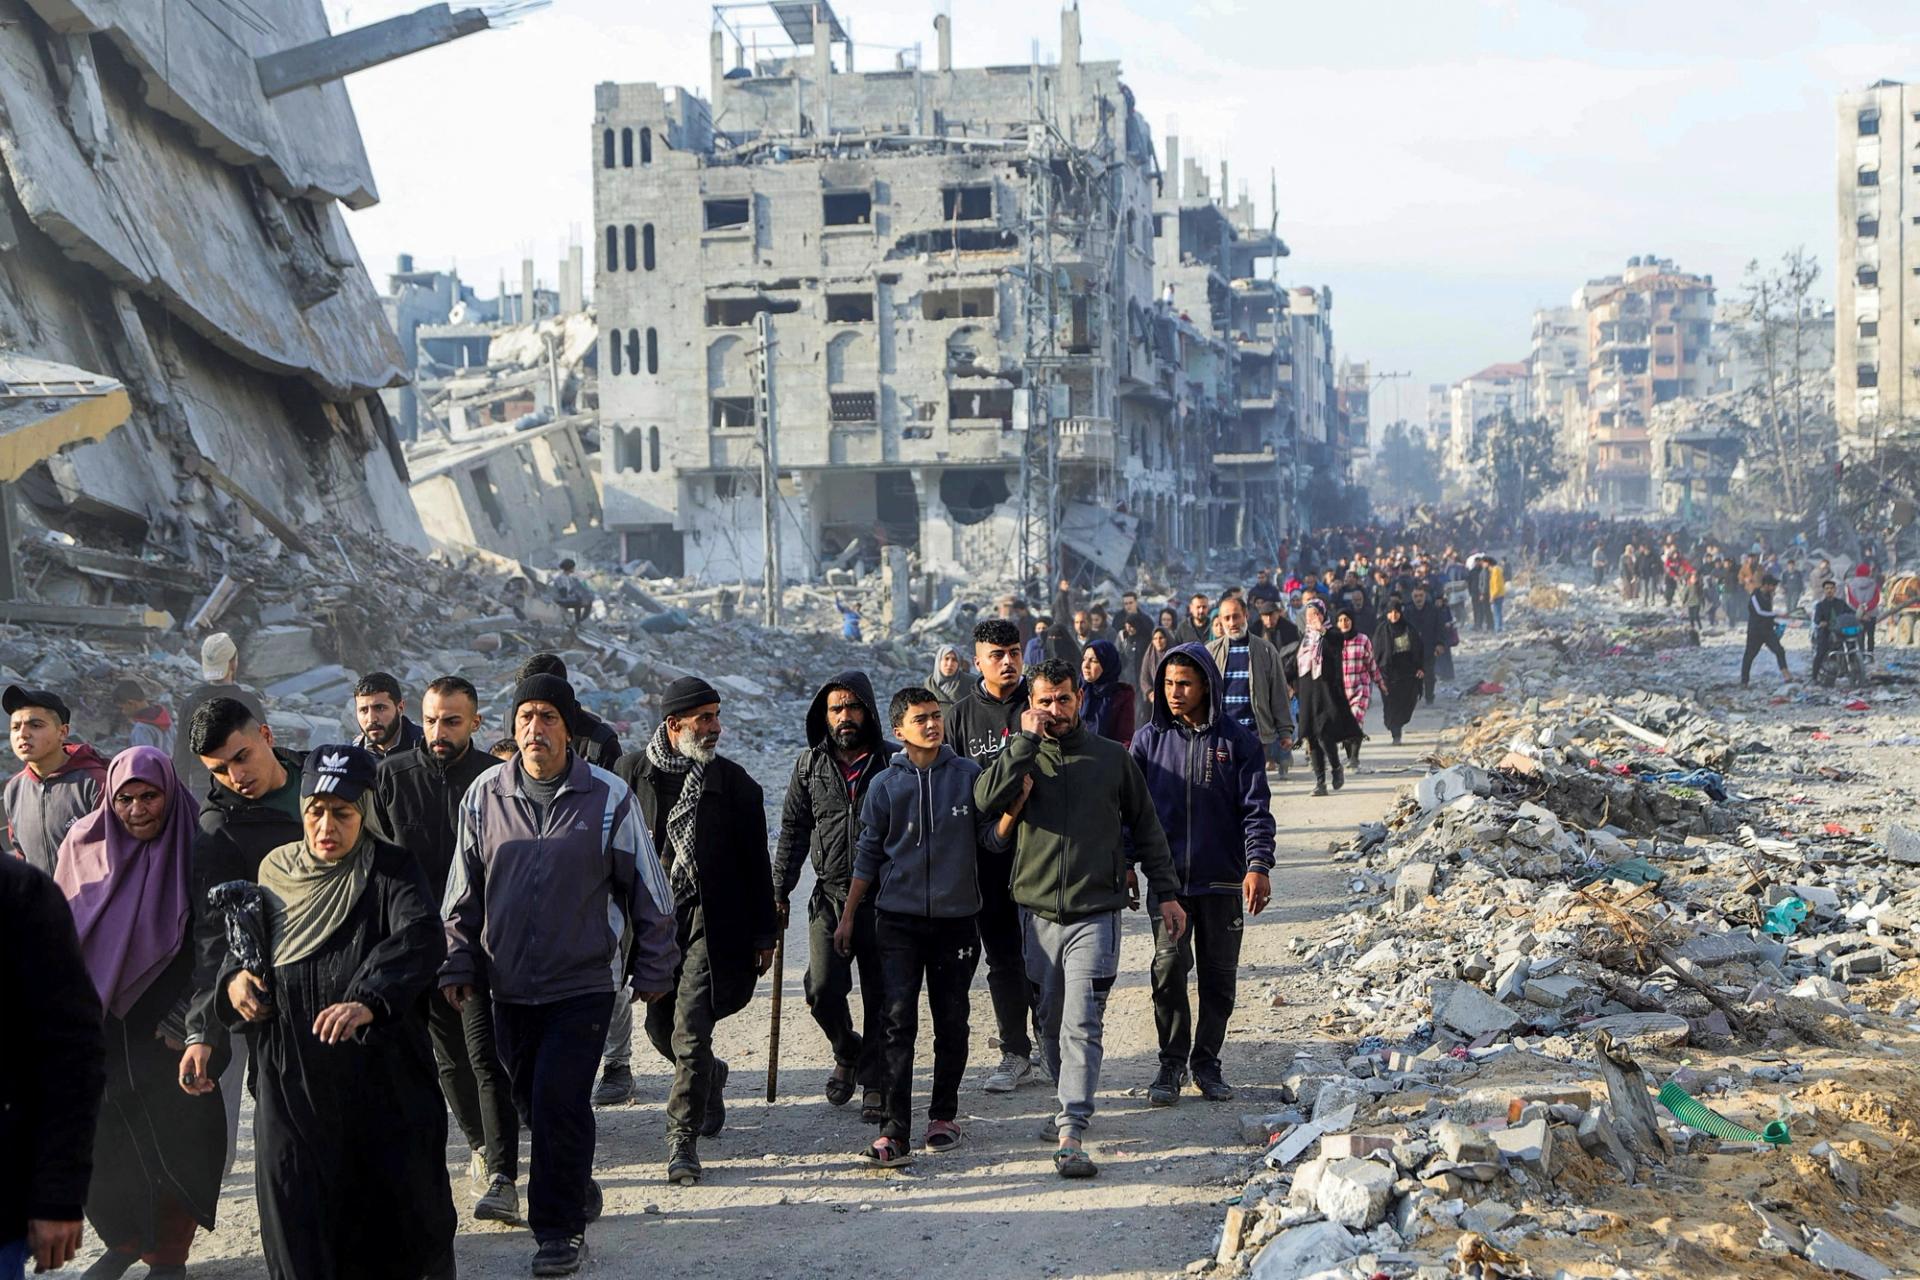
(168, 225)
(943, 286)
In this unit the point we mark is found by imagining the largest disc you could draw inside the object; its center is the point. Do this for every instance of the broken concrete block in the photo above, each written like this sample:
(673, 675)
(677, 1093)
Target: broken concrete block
(1777, 1234)
(1450, 784)
(1827, 1250)
(1903, 843)
(1306, 1182)
(1513, 976)
(1304, 1250)
(1233, 1233)
(1463, 1144)
(1471, 1011)
(1259, 1130)
(1413, 885)
(1858, 964)
(272, 653)
(1599, 1139)
(1355, 1193)
(1487, 1217)
(1529, 1144)
(1642, 1031)
(1354, 1146)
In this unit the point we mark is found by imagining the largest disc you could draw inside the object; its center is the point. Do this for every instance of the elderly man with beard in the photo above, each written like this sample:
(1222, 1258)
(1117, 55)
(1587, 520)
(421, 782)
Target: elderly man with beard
(416, 806)
(708, 819)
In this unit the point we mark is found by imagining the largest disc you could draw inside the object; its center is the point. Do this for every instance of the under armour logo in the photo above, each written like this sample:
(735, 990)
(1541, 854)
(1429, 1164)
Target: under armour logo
(960, 811)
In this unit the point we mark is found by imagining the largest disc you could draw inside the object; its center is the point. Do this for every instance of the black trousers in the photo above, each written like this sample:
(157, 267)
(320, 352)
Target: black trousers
(1427, 680)
(943, 954)
(475, 1082)
(1756, 641)
(680, 1027)
(552, 1052)
(828, 982)
(1212, 944)
(1001, 939)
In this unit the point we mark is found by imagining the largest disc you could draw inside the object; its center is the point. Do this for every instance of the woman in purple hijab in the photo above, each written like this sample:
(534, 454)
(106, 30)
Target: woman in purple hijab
(152, 948)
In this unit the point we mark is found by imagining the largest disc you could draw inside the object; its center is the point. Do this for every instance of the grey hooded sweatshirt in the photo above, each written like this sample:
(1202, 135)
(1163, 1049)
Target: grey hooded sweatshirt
(920, 838)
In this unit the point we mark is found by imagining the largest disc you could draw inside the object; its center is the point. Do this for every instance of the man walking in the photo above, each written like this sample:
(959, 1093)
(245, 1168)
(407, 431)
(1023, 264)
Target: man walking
(820, 818)
(551, 866)
(979, 727)
(379, 706)
(417, 807)
(1763, 631)
(60, 782)
(590, 738)
(708, 818)
(1197, 626)
(1253, 684)
(1069, 872)
(1432, 621)
(1203, 770)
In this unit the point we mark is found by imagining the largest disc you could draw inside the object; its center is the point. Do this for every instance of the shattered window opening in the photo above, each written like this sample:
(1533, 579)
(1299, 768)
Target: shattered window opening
(1866, 375)
(966, 204)
(731, 411)
(849, 308)
(847, 208)
(726, 213)
(956, 304)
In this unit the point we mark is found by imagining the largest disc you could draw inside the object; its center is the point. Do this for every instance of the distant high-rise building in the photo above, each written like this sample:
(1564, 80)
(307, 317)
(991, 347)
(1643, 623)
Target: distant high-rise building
(1877, 308)
(1495, 389)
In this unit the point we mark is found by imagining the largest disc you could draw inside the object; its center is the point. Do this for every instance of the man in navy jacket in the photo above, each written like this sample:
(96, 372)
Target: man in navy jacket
(1207, 776)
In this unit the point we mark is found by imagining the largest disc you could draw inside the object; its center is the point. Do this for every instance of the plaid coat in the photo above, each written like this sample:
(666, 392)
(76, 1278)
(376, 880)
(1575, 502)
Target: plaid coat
(1360, 671)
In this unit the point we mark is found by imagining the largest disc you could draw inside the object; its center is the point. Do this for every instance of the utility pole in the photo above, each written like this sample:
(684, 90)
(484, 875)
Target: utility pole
(769, 475)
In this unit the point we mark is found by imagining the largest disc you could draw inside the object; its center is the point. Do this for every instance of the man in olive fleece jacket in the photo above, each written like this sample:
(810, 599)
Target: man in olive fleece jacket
(1070, 880)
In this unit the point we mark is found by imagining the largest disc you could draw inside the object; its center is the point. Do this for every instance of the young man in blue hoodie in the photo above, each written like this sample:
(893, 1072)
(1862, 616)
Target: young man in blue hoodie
(1207, 775)
(919, 851)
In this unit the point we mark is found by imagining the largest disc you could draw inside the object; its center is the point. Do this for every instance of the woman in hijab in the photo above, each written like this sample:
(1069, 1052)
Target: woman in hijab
(1326, 722)
(1403, 659)
(1107, 700)
(1360, 670)
(1158, 646)
(949, 683)
(350, 1132)
(146, 935)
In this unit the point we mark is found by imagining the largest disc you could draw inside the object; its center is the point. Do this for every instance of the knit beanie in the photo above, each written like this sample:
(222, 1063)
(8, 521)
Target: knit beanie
(548, 689)
(685, 694)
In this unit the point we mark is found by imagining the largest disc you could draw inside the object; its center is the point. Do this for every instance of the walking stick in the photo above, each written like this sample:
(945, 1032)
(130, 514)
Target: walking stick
(773, 1032)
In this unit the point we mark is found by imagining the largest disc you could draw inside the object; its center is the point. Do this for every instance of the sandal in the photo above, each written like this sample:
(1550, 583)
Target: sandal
(840, 1086)
(942, 1135)
(873, 1107)
(887, 1153)
(1073, 1162)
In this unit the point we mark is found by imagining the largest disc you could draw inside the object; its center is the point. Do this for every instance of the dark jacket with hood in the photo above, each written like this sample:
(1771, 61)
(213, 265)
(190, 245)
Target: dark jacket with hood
(410, 736)
(980, 724)
(730, 863)
(39, 810)
(594, 739)
(920, 837)
(821, 814)
(236, 833)
(416, 806)
(1209, 788)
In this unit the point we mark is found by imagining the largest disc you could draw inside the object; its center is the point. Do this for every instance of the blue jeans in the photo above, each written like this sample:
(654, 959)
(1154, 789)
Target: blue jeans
(13, 1259)
(1500, 614)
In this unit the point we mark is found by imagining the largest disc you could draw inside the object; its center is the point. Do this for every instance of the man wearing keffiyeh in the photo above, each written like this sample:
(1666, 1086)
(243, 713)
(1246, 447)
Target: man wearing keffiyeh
(708, 820)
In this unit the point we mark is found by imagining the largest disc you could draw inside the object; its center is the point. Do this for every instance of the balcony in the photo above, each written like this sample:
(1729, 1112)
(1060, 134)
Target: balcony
(1088, 440)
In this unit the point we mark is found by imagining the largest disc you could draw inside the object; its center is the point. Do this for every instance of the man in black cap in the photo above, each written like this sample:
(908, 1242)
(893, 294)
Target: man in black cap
(552, 866)
(592, 739)
(61, 781)
(416, 805)
(380, 708)
(708, 820)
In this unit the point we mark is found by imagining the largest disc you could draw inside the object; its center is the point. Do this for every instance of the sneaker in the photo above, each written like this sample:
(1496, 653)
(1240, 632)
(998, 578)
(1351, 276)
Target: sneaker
(479, 1177)
(683, 1162)
(501, 1203)
(596, 1200)
(1042, 1074)
(716, 1118)
(1212, 1086)
(1013, 1071)
(615, 1088)
(1165, 1089)
(560, 1257)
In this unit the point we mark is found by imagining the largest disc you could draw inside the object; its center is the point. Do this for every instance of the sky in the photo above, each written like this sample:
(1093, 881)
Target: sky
(1443, 166)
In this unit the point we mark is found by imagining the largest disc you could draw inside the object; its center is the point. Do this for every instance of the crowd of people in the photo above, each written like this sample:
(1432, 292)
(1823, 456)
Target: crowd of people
(372, 935)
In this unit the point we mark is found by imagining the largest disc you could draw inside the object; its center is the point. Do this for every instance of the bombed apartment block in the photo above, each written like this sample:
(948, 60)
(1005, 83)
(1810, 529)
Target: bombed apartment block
(936, 284)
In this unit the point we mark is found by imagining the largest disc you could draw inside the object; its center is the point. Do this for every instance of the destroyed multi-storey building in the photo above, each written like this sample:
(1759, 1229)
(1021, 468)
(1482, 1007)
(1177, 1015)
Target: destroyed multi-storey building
(939, 285)
(1876, 373)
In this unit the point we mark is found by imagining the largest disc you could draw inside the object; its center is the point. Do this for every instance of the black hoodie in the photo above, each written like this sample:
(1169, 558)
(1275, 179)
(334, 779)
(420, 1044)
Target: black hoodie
(821, 814)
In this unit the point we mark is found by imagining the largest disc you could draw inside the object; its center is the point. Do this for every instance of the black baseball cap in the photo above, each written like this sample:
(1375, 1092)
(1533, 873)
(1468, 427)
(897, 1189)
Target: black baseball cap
(16, 697)
(338, 770)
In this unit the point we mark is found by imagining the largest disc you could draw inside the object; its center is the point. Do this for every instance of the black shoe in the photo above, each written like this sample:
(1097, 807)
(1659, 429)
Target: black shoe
(1320, 786)
(1211, 1086)
(1339, 773)
(614, 1089)
(873, 1107)
(596, 1200)
(683, 1162)
(561, 1257)
(716, 1119)
(1396, 737)
(1165, 1089)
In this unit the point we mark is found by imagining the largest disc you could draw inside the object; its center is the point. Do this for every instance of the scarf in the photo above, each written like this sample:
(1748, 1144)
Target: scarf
(1102, 696)
(948, 688)
(1313, 630)
(311, 898)
(130, 898)
(682, 873)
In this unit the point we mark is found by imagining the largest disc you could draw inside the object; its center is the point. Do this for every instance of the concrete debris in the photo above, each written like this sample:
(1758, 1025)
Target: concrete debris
(1824, 1249)
(1303, 1250)
(1355, 1193)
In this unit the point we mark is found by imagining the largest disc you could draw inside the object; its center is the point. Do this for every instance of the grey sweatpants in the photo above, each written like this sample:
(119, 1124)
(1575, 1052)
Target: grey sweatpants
(1072, 967)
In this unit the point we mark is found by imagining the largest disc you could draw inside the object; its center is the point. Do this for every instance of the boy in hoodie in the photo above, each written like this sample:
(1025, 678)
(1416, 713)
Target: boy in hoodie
(821, 817)
(61, 782)
(148, 723)
(920, 837)
(1207, 776)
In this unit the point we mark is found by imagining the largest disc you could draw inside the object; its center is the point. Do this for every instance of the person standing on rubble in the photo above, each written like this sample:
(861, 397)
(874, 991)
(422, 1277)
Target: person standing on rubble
(1402, 656)
(1763, 623)
(593, 739)
(820, 819)
(220, 676)
(350, 1133)
(1206, 773)
(979, 727)
(1087, 800)
(1496, 593)
(1599, 563)
(708, 819)
(416, 805)
(60, 782)
(1326, 722)
(1252, 685)
(553, 867)
(571, 592)
(148, 723)
(1478, 573)
(379, 707)
(1863, 595)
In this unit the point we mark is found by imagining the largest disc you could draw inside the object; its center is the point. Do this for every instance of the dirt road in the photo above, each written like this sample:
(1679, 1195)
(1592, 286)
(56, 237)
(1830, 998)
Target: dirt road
(784, 1193)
